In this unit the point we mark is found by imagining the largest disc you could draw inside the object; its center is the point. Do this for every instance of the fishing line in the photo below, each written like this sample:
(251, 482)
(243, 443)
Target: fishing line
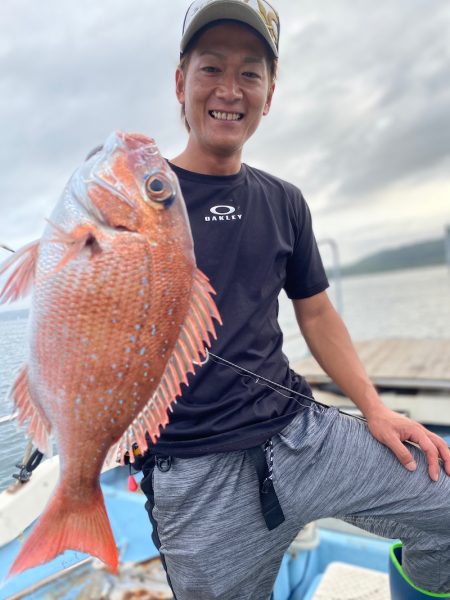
(273, 385)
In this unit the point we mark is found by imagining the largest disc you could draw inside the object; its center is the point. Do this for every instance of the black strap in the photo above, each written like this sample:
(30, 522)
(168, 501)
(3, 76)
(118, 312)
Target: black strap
(270, 505)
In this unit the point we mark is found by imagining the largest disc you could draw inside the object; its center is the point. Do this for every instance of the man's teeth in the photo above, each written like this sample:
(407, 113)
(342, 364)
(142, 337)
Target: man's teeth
(224, 116)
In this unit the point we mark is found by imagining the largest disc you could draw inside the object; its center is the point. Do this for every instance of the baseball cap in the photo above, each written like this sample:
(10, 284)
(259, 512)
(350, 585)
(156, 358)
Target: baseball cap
(259, 14)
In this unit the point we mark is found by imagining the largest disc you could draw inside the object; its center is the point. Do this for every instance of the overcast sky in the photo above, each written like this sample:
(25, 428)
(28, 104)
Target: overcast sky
(360, 119)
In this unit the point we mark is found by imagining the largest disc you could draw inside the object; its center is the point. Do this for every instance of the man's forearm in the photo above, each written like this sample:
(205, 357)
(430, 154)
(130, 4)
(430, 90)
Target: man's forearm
(330, 344)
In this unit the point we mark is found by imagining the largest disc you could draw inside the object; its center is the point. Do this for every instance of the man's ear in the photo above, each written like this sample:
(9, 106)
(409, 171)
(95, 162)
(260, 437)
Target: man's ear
(179, 85)
(269, 99)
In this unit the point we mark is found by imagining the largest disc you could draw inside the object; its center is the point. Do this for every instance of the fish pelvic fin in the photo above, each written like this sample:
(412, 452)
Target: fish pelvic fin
(69, 523)
(20, 281)
(197, 329)
(39, 427)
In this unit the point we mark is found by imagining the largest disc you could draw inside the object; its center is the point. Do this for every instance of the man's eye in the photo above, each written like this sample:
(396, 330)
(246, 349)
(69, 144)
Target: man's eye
(210, 69)
(252, 75)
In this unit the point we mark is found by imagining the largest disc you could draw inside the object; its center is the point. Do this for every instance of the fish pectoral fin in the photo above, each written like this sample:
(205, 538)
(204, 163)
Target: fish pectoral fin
(39, 426)
(82, 237)
(196, 331)
(21, 279)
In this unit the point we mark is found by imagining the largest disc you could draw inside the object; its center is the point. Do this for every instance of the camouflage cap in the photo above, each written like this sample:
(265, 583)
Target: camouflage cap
(259, 14)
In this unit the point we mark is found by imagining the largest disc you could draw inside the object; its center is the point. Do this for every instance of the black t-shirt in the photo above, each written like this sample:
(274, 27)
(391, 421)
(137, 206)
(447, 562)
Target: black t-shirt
(252, 237)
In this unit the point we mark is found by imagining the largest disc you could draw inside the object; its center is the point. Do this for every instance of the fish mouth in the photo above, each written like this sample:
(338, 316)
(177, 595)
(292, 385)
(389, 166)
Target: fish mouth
(221, 115)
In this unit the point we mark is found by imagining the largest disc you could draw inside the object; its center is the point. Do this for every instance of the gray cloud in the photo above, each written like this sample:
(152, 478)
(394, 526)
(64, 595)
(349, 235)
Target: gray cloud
(361, 102)
(363, 95)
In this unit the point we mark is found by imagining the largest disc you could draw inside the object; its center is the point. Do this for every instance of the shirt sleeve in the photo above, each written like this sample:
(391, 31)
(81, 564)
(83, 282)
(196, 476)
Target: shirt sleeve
(305, 273)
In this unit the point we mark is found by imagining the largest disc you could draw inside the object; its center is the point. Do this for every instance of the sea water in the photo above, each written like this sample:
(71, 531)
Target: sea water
(410, 303)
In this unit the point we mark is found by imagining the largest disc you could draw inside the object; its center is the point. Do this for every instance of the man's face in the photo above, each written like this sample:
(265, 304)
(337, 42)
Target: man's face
(226, 88)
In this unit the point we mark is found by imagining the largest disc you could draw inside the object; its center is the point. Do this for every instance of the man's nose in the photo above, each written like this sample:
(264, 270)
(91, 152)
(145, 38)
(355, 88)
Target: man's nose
(229, 88)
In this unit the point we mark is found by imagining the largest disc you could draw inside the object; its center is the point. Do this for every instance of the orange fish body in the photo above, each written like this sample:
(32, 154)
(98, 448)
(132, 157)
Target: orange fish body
(119, 315)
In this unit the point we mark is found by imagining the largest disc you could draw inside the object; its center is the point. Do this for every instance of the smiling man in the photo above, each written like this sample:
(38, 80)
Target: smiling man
(249, 457)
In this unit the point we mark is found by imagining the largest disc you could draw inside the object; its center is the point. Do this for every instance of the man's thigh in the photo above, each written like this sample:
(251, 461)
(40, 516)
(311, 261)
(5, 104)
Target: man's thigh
(329, 465)
(212, 535)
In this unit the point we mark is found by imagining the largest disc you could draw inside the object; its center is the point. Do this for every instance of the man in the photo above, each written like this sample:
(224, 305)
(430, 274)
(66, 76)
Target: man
(248, 458)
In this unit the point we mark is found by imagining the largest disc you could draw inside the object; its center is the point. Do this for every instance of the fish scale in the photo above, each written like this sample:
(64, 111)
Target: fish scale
(119, 315)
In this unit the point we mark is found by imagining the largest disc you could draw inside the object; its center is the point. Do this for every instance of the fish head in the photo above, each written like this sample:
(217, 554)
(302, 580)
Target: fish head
(127, 185)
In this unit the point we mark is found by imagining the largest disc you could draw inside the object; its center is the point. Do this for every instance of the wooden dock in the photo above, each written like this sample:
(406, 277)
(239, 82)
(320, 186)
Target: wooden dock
(412, 376)
(395, 363)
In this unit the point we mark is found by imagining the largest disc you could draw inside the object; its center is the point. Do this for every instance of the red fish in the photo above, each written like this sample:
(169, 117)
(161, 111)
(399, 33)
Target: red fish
(119, 315)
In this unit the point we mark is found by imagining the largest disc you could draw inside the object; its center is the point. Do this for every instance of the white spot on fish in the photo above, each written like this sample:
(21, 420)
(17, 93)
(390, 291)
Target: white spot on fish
(153, 329)
(145, 280)
(132, 338)
(127, 349)
(137, 327)
(119, 375)
(146, 306)
(141, 292)
(110, 391)
(121, 401)
(93, 357)
(113, 366)
(77, 400)
(142, 351)
(146, 365)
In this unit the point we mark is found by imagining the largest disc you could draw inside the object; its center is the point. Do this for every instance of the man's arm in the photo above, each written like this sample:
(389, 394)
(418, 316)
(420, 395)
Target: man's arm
(330, 344)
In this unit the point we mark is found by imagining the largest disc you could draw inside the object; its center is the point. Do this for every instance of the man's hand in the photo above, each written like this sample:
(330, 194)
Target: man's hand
(392, 429)
(330, 344)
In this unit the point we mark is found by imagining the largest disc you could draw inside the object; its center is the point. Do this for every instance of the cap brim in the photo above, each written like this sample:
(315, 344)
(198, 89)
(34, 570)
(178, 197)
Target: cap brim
(236, 11)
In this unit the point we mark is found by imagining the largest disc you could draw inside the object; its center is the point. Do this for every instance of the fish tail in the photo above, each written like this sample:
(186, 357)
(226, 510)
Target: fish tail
(69, 524)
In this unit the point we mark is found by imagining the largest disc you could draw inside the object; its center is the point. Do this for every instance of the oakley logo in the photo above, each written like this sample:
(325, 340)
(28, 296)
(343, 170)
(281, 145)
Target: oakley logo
(223, 212)
(222, 209)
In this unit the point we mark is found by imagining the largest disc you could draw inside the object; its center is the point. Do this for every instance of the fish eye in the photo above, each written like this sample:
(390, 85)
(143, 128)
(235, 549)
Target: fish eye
(159, 189)
(156, 185)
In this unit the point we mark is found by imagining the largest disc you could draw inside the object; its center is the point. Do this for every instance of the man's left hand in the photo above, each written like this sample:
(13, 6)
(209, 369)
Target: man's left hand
(392, 429)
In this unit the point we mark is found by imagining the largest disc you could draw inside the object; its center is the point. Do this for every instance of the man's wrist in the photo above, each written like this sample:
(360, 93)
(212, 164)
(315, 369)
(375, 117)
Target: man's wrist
(371, 405)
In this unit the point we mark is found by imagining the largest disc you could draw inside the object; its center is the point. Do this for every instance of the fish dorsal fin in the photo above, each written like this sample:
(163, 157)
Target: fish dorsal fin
(21, 279)
(39, 427)
(189, 349)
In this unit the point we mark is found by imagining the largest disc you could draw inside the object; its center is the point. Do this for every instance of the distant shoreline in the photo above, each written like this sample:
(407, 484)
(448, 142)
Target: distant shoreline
(430, 253)
(10, 315)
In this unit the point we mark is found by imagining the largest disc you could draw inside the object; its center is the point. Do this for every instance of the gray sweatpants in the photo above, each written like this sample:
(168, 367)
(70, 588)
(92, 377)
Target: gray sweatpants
(206, 510)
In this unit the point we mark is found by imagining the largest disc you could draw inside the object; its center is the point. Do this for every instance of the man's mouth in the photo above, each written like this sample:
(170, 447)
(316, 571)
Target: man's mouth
(226, 116)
